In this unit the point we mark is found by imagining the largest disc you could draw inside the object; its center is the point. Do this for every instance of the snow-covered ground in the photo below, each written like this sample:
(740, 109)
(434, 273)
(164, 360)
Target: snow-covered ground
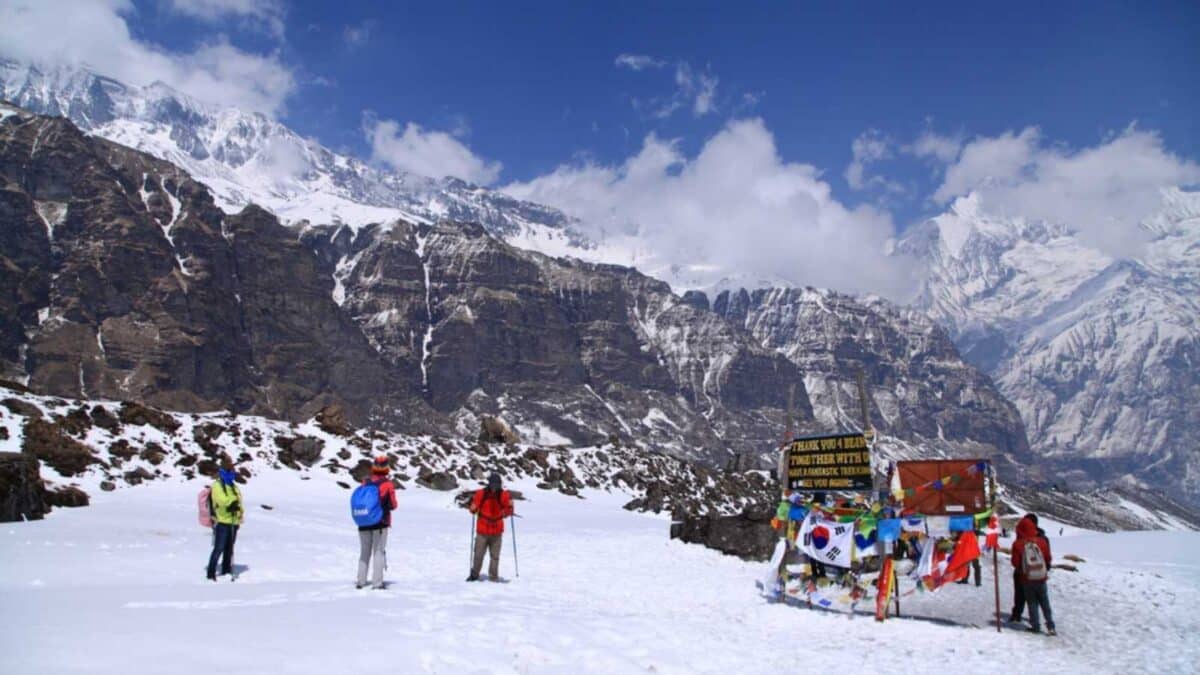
(119, 587)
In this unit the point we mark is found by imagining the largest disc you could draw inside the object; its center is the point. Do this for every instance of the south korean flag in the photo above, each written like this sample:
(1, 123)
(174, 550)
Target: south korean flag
(827, 541)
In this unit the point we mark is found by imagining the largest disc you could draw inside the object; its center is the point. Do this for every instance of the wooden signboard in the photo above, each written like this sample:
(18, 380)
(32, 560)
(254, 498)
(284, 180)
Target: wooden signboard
(829, 463)
(966, 494)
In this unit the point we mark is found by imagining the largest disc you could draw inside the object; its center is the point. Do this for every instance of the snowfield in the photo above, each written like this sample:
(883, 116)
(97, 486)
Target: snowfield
(118, 587)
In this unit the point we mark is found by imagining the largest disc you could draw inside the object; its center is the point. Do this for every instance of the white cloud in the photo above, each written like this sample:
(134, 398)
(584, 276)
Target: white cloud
(636, 62)
(737, 206)
(436, 154)
(1103, 191)
(95, 33)
(931, 145)
(359, 34)
(265, 14)
(694, 89)
(870, 147)
(699, 88)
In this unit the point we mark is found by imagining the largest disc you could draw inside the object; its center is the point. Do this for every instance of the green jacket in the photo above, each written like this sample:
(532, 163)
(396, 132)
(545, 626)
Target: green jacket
(223, 496)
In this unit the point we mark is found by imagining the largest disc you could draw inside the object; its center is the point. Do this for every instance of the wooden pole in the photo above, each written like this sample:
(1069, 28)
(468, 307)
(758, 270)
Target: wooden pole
(788, 436)
(789, 432)
(896, 589)
(996, 578)
(996, 548)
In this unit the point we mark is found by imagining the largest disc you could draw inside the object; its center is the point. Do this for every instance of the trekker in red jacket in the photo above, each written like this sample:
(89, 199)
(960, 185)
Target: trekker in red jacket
(1031, 561)
(373, 538)
(491, 505)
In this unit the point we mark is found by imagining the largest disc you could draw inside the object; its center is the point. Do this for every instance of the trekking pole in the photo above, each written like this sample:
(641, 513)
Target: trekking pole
(516, 567)
(471, 551)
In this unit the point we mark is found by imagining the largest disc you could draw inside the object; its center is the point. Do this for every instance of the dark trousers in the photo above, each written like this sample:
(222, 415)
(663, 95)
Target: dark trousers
(223, 538)
(1038, 597)
(491, 545)
(978, 574)
(1018, 597)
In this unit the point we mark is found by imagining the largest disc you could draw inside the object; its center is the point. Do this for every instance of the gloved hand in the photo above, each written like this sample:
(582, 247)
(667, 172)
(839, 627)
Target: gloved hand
(235, 506)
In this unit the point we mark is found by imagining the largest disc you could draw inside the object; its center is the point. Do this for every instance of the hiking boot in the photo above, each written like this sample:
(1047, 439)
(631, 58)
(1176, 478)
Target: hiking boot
(380, 587)
(359, 587)
(1034, 629)
(1051, 631)
(210, 577)
(473, 577)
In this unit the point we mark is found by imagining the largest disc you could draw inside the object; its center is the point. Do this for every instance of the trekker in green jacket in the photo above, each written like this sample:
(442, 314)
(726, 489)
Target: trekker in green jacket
(227, 514)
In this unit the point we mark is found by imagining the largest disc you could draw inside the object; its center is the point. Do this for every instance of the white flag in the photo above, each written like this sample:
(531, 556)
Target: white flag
(827, 541)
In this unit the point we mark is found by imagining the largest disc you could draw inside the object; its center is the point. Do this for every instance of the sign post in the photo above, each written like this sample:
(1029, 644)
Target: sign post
(996, 548)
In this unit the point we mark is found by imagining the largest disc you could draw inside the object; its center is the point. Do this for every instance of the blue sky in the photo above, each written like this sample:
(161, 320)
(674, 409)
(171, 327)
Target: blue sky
(532, 85)
(776, 136)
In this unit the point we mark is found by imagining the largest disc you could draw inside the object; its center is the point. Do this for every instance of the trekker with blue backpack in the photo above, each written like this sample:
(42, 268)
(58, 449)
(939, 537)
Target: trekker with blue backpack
(371, 506)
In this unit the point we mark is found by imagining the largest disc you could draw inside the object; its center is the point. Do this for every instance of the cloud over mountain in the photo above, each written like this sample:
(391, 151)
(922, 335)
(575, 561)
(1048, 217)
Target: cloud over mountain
(1102, 191)
(74, 32)
(736, 205)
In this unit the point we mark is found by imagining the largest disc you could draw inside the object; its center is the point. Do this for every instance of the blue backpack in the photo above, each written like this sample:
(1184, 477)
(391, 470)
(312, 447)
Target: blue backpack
(365, 506)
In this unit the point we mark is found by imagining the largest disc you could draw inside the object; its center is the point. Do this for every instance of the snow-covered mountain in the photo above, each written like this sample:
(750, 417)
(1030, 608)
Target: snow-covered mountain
(1100, 355)
(249, 158)
(1096, 353)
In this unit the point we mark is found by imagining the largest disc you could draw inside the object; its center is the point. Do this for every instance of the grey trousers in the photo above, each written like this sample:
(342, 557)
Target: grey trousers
(372, 543)
(1038, 597)
(486, 544)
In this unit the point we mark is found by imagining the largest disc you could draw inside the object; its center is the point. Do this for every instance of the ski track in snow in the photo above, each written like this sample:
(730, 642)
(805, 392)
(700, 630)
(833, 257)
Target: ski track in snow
(601, 590)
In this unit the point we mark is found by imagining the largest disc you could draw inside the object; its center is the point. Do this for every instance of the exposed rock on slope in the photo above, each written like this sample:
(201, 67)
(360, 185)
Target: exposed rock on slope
(22, 496)
(121, 279)
(567, 351)
(131, 454)
(921, 393)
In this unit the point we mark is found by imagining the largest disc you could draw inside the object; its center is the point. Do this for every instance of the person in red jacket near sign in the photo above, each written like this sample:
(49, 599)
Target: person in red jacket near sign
(491, 505)
(1031, 560)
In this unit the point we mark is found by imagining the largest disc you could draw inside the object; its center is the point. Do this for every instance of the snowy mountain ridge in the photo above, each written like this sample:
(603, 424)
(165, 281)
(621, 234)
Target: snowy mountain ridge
(248, 158)
(1099, 354)
(1094, 352)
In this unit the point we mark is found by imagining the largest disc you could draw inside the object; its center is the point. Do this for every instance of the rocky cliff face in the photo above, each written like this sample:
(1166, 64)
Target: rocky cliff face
(126, 281)
(121, 279)
(1097, 354)
(922, 396)
(566, 351)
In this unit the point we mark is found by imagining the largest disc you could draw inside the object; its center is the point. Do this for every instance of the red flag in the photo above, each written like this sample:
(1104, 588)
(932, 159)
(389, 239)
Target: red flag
(885, 589)
(966, 550)
(993, 532)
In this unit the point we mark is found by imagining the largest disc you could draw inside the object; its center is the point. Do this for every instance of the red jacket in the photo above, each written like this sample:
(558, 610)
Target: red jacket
(492, 509)
(387, 498)
(1027, 534)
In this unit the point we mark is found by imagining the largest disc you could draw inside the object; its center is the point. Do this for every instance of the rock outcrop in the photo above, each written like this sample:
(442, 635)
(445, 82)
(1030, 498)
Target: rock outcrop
(747, 535)
(22, 495)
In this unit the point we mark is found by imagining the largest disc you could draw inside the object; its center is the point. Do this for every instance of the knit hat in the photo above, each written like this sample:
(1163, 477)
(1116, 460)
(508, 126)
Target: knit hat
(380, 466)
(227, 464)
(494, 482)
